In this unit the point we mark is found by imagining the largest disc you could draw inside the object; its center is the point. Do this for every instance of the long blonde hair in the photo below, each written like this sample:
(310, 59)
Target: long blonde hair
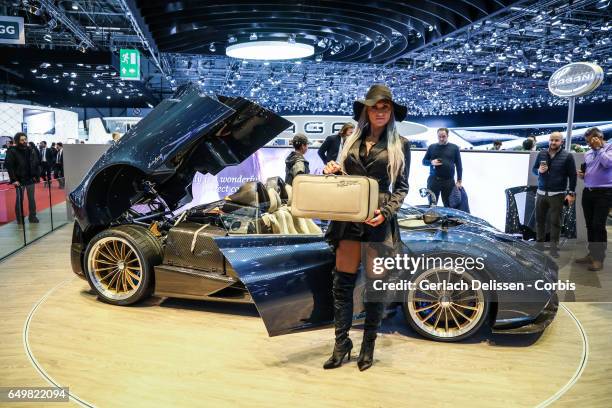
(394, 145)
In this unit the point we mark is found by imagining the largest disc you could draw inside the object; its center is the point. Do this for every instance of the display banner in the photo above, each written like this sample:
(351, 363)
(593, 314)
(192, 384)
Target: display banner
(263, 164)
(11, 30)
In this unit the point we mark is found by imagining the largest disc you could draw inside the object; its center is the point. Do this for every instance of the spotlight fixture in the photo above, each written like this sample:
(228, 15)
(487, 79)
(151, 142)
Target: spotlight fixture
(319, 58)
(231, 39)
(212, 47)
(253, 37)
(75, 5)
(47, 37)
(291, 39)
(269, 50)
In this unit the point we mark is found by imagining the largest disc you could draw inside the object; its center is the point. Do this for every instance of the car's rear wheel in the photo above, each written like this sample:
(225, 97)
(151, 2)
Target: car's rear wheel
(446, 315)
(119, 264)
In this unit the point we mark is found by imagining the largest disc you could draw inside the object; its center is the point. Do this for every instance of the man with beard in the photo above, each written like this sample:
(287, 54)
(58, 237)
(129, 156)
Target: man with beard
(23, 168)
(555, 168)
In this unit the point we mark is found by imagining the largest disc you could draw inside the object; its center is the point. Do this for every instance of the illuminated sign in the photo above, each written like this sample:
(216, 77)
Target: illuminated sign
(576, 79)
(11, 30)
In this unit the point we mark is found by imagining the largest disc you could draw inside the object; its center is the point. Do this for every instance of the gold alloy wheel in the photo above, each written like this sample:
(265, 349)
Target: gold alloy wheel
(115, 268)
(446, 313)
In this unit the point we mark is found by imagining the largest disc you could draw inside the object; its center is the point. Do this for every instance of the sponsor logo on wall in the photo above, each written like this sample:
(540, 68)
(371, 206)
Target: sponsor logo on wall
(316, 129)
(11, 30)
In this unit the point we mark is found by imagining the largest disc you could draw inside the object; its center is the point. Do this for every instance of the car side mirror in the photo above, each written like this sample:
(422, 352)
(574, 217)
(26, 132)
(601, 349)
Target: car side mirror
(431, 217)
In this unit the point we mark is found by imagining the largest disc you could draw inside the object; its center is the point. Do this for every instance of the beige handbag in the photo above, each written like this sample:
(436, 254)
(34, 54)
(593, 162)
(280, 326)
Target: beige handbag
(336, 198)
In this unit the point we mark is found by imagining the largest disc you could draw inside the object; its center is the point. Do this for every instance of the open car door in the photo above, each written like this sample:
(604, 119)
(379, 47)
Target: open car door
(289, 278)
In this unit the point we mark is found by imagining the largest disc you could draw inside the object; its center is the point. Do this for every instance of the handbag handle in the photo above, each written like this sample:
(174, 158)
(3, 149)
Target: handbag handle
(344, 173)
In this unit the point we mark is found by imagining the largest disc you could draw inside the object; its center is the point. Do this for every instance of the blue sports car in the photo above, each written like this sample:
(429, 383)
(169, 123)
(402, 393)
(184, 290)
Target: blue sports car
(129, 242)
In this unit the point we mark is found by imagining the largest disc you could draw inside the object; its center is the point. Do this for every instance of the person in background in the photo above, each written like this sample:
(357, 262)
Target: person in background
(596, 197)
(443, 158)
(529, 144)
(58, 171)
(497, 145)
(33, 147)
(333, 144)
(23, 169)
(47, 160)
(296, 163)
(556, 171)
(116, 136)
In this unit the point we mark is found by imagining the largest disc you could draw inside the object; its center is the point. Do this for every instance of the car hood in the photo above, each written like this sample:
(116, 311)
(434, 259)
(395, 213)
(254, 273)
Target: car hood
(185, 134)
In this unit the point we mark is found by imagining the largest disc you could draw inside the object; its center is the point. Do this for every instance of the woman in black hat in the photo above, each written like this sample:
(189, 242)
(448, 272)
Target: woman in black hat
(375, 150)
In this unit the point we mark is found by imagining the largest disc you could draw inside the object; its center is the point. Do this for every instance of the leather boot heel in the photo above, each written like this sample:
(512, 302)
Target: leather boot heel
(343, 286)
(337, 357)
(366, 355)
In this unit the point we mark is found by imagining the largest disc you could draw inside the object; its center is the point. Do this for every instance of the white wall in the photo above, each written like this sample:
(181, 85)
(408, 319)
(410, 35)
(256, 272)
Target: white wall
(11, 118)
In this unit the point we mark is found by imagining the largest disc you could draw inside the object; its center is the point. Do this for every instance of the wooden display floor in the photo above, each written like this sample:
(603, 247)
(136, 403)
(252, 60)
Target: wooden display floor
(191, 353)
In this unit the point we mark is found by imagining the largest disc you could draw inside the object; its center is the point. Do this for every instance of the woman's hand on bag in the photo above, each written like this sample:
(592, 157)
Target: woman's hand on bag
(376, 220)
(332, 168)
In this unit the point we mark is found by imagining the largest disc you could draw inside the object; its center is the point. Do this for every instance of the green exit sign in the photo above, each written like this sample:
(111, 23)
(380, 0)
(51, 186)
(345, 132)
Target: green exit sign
(129, 64)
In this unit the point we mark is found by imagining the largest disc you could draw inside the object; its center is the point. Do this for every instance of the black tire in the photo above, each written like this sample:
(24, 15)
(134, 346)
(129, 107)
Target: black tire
(455, 325)
(119, 264)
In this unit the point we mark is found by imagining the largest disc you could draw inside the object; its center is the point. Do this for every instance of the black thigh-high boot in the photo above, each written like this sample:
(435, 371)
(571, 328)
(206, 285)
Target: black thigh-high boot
(344, 283)
(373, 316)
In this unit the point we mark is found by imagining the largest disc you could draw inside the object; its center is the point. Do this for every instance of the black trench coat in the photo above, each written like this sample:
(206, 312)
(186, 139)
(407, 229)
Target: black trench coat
(374, 165)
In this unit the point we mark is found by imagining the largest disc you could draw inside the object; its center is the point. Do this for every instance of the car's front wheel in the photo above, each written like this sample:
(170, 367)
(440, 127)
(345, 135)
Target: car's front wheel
(119, 264)
(445, 314)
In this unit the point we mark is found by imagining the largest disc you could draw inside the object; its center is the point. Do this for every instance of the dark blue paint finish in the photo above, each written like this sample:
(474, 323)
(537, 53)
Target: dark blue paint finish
(289, 278)
(179, 137)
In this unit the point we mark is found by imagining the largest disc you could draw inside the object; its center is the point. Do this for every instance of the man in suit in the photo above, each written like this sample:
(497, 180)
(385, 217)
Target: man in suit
(47, 160)
(58, 171)
(333, 144)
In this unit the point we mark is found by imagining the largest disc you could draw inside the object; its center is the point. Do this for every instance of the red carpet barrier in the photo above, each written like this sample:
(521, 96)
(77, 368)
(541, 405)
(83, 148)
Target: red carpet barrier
(8, 196)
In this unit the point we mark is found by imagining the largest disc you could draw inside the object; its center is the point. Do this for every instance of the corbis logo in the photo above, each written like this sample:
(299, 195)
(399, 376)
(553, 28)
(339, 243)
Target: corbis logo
(577, 79)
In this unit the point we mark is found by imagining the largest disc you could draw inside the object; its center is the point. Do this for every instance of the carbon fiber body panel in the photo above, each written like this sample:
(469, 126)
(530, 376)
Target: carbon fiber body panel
(191, 245)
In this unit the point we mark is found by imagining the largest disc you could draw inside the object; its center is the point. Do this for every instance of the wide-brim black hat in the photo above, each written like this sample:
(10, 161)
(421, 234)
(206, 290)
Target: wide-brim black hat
(377, 93)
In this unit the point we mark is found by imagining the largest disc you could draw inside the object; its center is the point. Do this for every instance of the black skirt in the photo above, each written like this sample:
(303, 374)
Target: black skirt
(386, 233)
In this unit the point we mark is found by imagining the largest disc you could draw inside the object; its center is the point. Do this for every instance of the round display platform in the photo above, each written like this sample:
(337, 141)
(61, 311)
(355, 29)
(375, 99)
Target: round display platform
(184, 353)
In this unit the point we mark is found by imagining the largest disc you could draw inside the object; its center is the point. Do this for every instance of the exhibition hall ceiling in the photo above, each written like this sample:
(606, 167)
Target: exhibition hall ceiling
(439, 57)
